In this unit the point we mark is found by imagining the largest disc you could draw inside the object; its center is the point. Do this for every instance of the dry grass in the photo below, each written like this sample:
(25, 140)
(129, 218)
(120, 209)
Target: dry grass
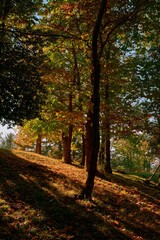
(37, 203)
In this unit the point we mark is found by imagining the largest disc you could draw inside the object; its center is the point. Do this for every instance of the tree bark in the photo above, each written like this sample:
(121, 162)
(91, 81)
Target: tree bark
(67, 136)
(89, 139)
(102, 150)
(83, 150)
(108, 168)
(95, 80)
(66, 140)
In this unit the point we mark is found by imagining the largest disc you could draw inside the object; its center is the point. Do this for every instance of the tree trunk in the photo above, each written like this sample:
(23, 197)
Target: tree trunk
(159, 180)
(83, 150)
(89, 139)
(87, 191)
(39, 144)
(67, 136)
(102, 150)
(157, 169)
(108, 168)
(66, 140)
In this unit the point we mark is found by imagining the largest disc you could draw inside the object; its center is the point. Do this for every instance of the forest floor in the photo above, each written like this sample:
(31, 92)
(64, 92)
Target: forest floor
(37, 202)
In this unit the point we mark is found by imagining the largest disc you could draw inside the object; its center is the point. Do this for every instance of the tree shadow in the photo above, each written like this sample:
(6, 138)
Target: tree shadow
(36, 208)
(137, 217)
(151, 192)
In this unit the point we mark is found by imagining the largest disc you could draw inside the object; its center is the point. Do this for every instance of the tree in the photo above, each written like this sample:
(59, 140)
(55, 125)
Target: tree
(21, 87)
(73, 32)
(38, 136)
(125, 50)
(103, 30)
(29, 135)
(131, 153)
(148, 78)
(70, 66)
(62, 104)
(87, 191)
(115, 27)
(7, 141)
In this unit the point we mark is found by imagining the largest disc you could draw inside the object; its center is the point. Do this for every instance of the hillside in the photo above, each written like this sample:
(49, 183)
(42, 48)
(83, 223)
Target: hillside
(37, 203)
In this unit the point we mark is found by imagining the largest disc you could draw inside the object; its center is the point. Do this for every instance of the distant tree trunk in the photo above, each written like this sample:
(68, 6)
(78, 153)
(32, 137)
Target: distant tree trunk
(157, 170)
(67, 137)
(102, 150)
(89, 140)
(66, 140)
(39, 144)
(83, 150)
(104, 154)
(88, 188)
(159, 180)
(59, 149)
(77, 79)
(108, 168)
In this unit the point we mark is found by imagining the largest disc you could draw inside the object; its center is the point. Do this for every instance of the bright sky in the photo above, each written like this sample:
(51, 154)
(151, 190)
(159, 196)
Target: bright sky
(5, 130)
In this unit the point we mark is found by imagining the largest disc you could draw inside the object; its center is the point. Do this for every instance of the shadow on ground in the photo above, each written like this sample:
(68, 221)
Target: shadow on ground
(33, 206)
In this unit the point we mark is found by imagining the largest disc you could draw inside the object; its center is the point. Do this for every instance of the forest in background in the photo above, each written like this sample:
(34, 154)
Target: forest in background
(80, 79)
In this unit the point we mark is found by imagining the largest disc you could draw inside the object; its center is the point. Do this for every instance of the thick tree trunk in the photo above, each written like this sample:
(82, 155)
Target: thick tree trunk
(87, 191)
(66, 140)
(39, 144)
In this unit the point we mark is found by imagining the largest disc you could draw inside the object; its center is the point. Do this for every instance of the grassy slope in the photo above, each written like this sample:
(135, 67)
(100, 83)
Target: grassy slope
(36, 203)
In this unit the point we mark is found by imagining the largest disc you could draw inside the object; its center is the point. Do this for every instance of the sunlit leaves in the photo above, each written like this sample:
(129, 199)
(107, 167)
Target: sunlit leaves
(132, 153)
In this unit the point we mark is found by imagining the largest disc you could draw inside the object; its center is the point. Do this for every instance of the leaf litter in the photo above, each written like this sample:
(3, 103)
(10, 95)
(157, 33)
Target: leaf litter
(37, 202)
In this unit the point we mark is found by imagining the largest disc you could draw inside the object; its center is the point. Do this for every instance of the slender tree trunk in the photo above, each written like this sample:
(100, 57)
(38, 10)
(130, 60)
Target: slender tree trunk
(87, 191)
(78, 83)
(59, 149)
(83, 150)
(67, 137)
(102, 150)
(66, 140)
(89, 140)
(157, 169)
(108, 168)
(39, 144)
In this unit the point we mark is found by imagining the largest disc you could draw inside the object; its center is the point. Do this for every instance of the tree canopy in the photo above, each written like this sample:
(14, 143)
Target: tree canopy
(21, 87)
